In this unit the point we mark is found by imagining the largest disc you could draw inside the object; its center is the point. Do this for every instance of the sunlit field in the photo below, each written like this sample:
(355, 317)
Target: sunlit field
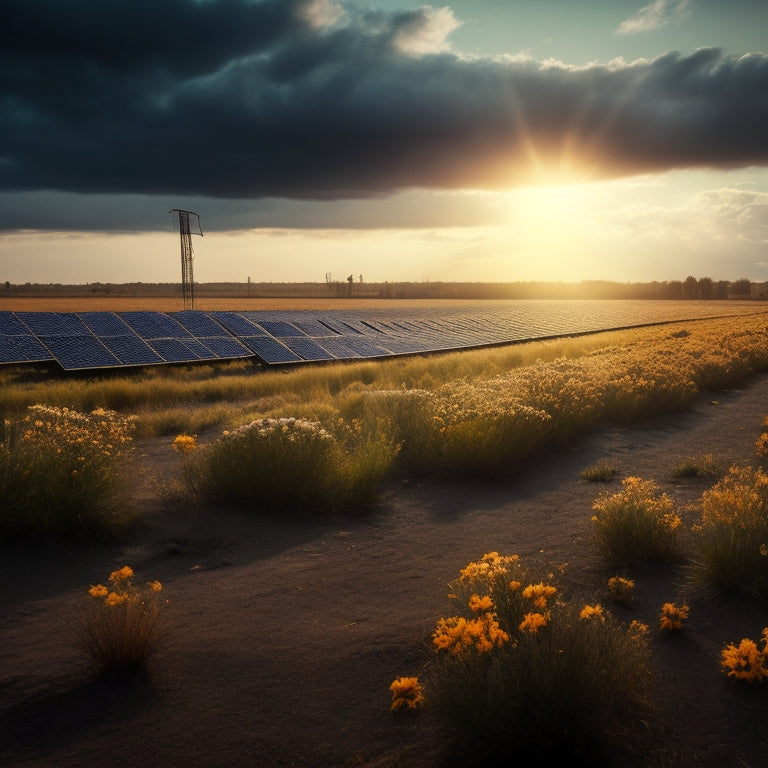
(319, 443)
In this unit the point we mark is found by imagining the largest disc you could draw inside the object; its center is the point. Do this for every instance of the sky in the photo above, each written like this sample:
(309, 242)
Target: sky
(481, 140)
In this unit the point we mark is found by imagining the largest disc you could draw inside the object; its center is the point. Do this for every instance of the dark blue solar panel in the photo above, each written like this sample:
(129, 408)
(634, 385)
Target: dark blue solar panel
(10, 325)
(338, 347)
(198, 348)
(313, 327)
(105, 323)
(279, 328)
(365, 348)
(226, 347)
(52, 323)
(235, 323)
(335, 326)
(173, 350)
(154, 325)
(198, 323)
(270, 350)
(307, 349)
(79, 352)
(22, 348)
(131, 350)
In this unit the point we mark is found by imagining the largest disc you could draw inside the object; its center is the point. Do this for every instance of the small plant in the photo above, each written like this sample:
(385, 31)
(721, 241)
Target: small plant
(761, 445)
(62, 473)
(123, 624)
(702, 466)
(184, 444)
(599, 473)
(731, 540)
(637, 523)
(521, 671)
(672, 617)
(292, 464)
(407, 693)
(746, 661)
(621, 590)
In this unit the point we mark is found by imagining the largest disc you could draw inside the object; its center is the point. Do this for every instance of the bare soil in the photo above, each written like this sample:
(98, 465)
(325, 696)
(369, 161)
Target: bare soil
(287, 634)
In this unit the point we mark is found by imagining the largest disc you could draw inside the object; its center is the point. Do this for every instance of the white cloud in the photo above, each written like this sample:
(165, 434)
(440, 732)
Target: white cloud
(426, 31)
(652, 16)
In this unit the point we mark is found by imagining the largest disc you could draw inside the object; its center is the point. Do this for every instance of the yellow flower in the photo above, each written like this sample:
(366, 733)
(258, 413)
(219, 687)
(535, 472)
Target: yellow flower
(532, 622)
(155, 585)
(621, 589)
(184, 444)
(406, 692)
(113, 598)
(744, 661)
(123, 574)
(515, 585)
(477, 603)
(592, 612)
(672, 617)
(539, 593)
(98, 590)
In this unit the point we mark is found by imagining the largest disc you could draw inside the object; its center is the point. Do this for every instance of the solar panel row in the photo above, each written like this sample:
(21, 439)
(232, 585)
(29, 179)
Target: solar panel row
(89, 340)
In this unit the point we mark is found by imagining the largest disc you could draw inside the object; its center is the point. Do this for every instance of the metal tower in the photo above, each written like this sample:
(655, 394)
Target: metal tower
(185, 233)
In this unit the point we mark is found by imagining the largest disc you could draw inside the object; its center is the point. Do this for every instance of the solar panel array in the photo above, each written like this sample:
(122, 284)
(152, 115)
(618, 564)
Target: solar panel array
(94, 340)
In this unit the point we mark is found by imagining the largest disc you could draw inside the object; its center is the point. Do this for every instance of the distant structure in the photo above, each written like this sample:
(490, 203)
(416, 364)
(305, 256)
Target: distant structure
(182, 219)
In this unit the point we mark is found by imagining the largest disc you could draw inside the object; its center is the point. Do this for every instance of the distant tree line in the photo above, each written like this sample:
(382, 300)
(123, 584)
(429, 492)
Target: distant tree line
(703, 288)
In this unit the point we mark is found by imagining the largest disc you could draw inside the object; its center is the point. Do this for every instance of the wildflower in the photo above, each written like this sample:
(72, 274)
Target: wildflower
(477, 603)
(514, 585)
(406, 692)
(115, 598)
(184, 444)
(532, 622)
(122, 574)
(98, 590)
(745, 661)
(637, 629)
(592, 612)
(539, 593)
(672, 617)
(621, 589)
(155, 585)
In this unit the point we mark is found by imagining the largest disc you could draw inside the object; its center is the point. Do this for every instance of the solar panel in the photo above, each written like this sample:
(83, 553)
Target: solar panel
(198, 323)
(105, 323)
(279, 328)
(174, 350)
(313, 327)
(22, 348)
(307, 349)
(155, 325)
(270, 350)
(131, 350)
(235, 323)
(225, 347)
(52, 323)
(79, 352)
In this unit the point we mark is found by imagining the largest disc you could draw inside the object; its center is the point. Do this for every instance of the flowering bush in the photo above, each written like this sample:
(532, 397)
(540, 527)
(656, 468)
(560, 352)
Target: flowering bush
(520, 669)
(746, 661)
(62, 471)
(123, 624)
(293, 464)
(406, 692)
(184, 444)
(637, 523)
(621, 590)
(672, 617)
(731, 539)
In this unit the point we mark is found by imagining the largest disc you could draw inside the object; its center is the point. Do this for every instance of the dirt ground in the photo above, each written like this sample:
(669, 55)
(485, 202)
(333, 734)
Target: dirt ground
(287, 635)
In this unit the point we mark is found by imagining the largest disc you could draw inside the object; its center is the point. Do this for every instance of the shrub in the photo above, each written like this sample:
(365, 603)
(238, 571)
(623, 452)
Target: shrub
(123, 625)
(637, 523)
(62, 473)
(731, 541)
(599, 473)
(698, 466)
(746, 661)
(621, 590)
(292, 464)
(521, 672)
(672, 617)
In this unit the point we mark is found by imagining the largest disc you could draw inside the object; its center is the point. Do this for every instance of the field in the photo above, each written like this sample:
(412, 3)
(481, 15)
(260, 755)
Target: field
(289, 631)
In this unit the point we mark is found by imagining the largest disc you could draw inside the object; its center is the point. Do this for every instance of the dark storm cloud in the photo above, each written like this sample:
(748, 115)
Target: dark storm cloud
(241, 99)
